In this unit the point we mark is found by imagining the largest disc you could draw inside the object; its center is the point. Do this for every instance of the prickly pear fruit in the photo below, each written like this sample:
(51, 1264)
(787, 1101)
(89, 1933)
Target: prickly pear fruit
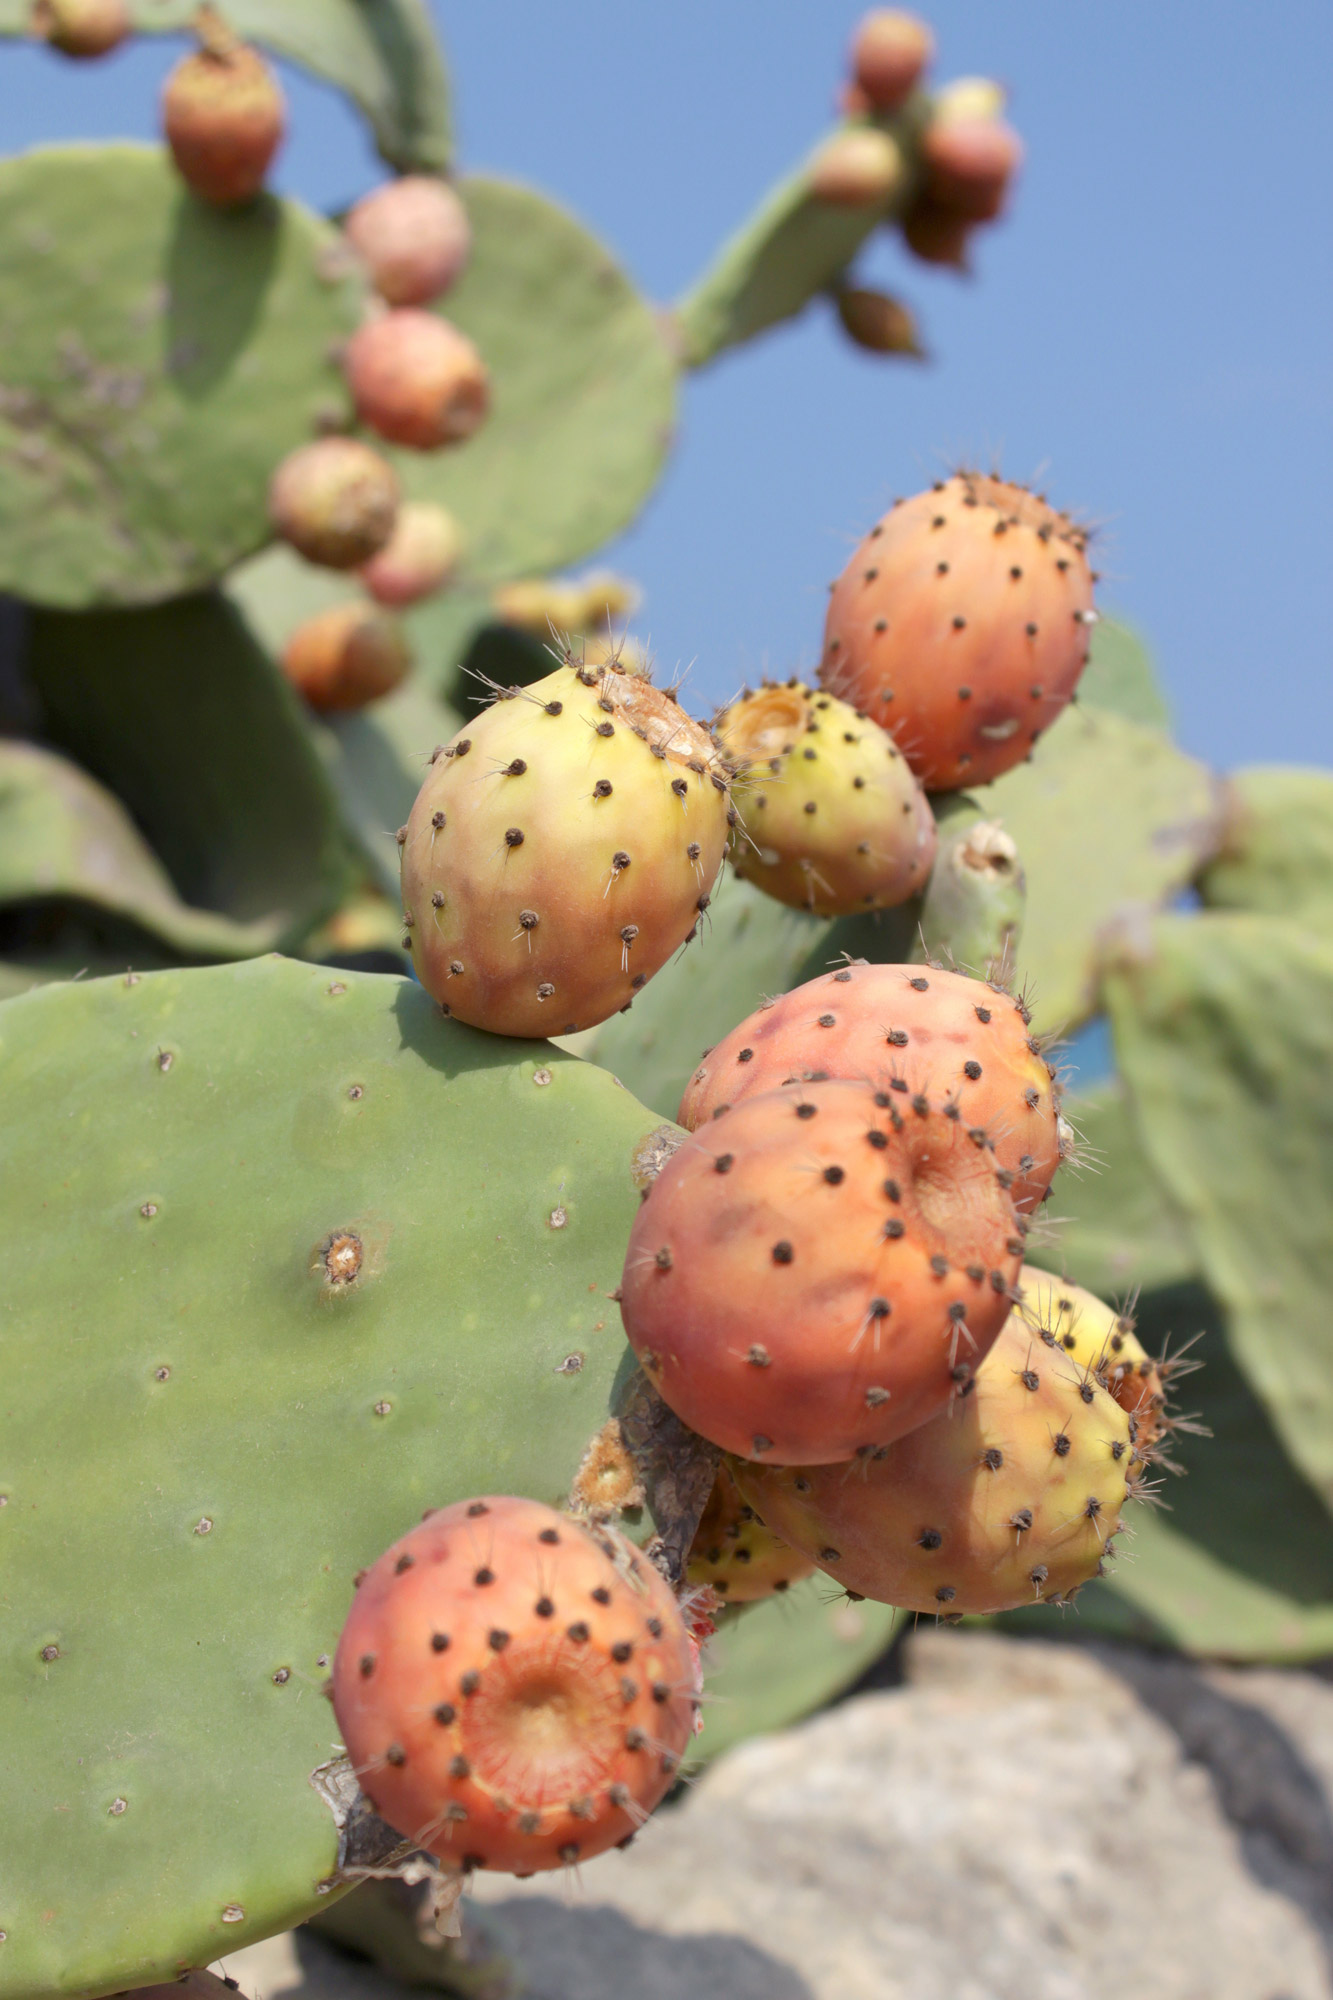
(914, 1032)
(819, 1271)
(82, 27)
(347, 656)
(936, 234)
(419, 557)
(969, 164)
(514, 1688)
(890, 51)
(831, 818)
(561, 848)
(961, 624)
(1010, 1497)
(335, 501)
(733, 1552)
(1101, 1340)
(417, 380)
(966, 99)
(545, 604)
(880, 324)
(413, 236)
(857, 168)
(224, 115)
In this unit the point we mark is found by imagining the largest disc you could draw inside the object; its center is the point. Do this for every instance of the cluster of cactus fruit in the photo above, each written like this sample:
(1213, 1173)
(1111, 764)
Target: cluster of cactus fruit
(364, 1235)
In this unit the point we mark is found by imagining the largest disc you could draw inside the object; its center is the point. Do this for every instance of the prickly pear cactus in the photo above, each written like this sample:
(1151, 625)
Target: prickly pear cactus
(159, 361)
(299, 1260)
(384, 55)
(1276, 852)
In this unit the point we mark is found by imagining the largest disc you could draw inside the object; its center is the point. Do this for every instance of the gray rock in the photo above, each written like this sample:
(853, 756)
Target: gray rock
(1019, 1821)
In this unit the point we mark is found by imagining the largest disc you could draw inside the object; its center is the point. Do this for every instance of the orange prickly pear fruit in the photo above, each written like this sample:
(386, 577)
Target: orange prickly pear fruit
(969, 165)
(1010, 1497)
(82, 27)
(515, 1688)
(413, 236)
(831, 818)
(819, 1272)
(419, 557)
(348, 656)
(224, 115)
(417, 380)
(890, 53)
(335, 501)
(961, 624)
(911, 1030)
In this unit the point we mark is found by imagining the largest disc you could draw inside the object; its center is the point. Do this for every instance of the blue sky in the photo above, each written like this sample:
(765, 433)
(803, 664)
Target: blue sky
(1151, 332)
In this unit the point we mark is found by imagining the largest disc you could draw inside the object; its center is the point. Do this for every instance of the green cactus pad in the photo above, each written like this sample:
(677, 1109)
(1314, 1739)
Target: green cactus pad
(1120, 675)
(1108, 1224)
(1277, 850)
(1239, 1563)
(1223, 1029)
(772, 1663)
(161, 356)
(583, 391)
(1107, 815)
(377, 760)
(294, 1258)
(64, 841)
(382, 53)
(790, 251)
(179, 711)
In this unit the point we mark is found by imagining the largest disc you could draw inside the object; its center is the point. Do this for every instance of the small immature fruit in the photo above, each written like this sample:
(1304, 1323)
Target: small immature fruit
(858, 168)
(82, 27)
(224, 115)
(413, 236)
(335, 501)
(419, 557)
(515, 1690)
(936, 234)
(819, 1271)
(831, 818)
(733, 1552)
(961, 624)
(1010, 1497)
(346, 657)
(913, 1032)
(969, 164)
(545, 604)
(890, 51)
(880, 324)
(1101, 1340)
(561, 849)
(417, 380)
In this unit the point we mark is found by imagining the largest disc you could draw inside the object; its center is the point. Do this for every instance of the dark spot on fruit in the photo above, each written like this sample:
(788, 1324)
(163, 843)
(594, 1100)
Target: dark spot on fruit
(782, 1252)
(483, 1576)
(929, 1538)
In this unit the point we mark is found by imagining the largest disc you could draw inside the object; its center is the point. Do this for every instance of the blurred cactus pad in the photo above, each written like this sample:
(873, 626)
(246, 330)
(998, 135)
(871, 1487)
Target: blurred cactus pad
(295, 1258)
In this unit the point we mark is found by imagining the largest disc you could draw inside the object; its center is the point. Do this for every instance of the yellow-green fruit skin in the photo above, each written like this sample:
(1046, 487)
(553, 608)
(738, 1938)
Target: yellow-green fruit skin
(831, 818)
(733, 1552)
(560, 850)
(1010, 1497)
(1101, 1340)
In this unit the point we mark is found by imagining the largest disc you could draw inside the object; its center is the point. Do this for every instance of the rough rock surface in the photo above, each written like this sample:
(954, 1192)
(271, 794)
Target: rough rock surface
(1018, 1821)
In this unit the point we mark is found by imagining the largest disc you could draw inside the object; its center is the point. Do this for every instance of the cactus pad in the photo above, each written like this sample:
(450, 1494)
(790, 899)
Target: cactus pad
(157, 366)
(299, 1260)
(1277, 850)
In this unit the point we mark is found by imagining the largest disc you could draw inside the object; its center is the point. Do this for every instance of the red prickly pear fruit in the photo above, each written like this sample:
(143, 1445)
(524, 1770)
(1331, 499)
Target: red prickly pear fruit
(1101, 1340)
(858, 168)
(733, 1552)
(335, 501)
(880, 324)
(969, 164)
(348, 656)
(419, 557)
(961, 624)
(936, 234)
(561, 849)
(890, 51)
(1011, 1497)
(515, 1689)
(82, 27)
(413, 236)
(831, 818)
(224, 115)
(819, 1272)
(915, 1032)
(417, 380)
